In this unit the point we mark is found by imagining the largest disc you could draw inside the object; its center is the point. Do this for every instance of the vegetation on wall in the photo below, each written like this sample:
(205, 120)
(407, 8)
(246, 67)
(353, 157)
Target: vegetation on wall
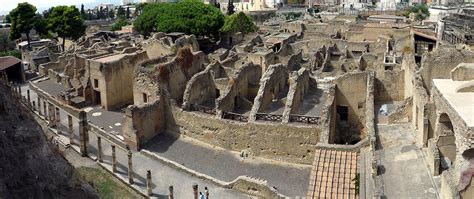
(119, 23)
(238, 22)
(187, 16)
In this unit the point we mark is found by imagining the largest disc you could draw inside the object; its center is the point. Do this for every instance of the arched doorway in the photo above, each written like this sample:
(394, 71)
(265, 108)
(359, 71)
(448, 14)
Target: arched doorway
(446, 142)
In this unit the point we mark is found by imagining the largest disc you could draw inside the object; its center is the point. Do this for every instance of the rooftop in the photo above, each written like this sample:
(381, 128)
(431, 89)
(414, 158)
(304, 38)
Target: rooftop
(6, 62)
(332, 174)
(462, 102)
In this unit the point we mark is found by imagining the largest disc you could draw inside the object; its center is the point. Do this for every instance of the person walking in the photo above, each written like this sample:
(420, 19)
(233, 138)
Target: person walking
(206, 192)
(201, 196)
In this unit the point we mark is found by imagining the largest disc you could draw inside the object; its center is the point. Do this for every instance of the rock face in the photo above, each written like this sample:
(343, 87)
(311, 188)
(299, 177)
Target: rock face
(29, 167)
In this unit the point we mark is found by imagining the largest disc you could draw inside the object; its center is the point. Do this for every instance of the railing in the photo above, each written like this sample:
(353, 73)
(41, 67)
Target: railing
(204, 109)
(235, 116)
(305, 119)
(269, 117)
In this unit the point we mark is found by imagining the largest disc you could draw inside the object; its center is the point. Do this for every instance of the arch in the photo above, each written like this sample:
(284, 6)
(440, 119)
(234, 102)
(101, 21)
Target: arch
(446, 142)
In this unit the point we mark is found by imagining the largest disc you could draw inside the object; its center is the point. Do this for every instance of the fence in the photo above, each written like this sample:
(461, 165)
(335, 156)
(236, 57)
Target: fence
(235, 116)
(269, 117)
(204, 109)
(305, 119)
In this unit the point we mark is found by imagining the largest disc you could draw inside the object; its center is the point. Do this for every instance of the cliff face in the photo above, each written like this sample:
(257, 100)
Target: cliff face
(29, 167)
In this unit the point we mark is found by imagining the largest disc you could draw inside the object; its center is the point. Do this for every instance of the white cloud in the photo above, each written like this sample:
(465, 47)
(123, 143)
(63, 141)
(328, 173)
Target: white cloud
(7, 5)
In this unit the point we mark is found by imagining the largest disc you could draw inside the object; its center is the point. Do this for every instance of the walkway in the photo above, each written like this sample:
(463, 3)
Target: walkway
(290, 180)
(402, 169)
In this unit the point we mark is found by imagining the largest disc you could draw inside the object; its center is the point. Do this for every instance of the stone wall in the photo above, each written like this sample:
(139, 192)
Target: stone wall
(115, 79)
(200, 88)
(272, 83)
(286, 142)
(439, 63)
(351, 92)
(463, 72)
(390, 86)
(246, 77)
(143, 122)
(300, 82)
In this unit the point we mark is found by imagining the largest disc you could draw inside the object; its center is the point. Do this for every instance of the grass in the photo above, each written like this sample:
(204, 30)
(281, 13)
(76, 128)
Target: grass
(105, 184)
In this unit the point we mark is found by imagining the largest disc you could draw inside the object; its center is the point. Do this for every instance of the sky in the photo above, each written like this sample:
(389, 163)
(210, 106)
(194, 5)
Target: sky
(7, 5)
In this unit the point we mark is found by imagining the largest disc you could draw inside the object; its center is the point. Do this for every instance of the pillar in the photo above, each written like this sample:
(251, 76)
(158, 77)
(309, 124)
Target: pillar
(39, 106)
(28, 99)
(170, 195)
(83, 134)
(33, 106)
(57, 117)
(130, 166)
(45, 112)
(50, 114)
(70, 129)
(195, 191)
(114, 160)
(148, 183)
(99, 149)
(19, 91)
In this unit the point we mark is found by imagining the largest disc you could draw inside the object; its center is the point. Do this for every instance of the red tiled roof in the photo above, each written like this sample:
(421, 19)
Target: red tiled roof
(6, 62)
(332, 174)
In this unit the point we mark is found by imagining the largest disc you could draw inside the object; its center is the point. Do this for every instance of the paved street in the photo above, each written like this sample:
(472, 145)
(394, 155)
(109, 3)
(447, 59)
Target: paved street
(289, 180)
(403, 171)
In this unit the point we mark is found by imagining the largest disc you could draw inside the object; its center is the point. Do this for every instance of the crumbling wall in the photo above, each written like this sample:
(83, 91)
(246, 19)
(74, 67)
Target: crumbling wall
(272, 83)
(463, 72)
(300, 82)
(439, 63)
(390, 86)
(200, 88)
(246, 77)
(143, 122)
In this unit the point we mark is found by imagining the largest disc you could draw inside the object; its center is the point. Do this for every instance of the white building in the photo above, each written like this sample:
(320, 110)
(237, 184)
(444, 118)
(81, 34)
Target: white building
(105, 6)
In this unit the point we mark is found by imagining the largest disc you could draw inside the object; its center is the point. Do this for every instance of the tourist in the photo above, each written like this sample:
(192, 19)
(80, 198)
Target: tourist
(206, 192)
(201, 196)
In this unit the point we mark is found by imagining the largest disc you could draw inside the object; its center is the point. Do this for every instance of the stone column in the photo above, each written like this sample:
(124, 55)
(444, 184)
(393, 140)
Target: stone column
(148, 183)
(70, 129)
(50, 114)
(130, 166)
(114, 160)
(170, 188)
(39, 106)
(28, 99)
(83, 133)
(19, 91)
(33, 106)
(57, 117)
(99, 149)
(45, 110)
(195, 191)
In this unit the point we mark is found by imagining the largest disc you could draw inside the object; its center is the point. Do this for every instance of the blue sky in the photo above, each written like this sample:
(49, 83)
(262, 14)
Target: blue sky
(7, 5)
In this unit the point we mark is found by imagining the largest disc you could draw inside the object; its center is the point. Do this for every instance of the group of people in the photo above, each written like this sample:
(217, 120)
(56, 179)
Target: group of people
(205, 195)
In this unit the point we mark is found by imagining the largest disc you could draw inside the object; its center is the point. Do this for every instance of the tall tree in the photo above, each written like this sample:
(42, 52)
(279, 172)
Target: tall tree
(120, 12)
(238, 22)
(41, 25)
(67, 22)
(128, 12)
(83, 12)
(230, 7)
(111, 14)
(22, 19)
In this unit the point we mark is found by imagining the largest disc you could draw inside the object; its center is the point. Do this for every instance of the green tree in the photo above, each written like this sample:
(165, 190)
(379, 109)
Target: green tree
(7, 19)
(139, 9)
(111, 14)
(421, 11)
(41, 25)
(238, 22)
(119, 23)
(83, 12)
(187, 16)
(66, 22)
(120, 12)
(22, 19)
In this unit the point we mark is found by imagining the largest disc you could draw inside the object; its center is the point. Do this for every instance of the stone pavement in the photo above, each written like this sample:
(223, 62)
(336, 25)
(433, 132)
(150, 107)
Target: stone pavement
(402, 168)
(290, 180)
(162, 175)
